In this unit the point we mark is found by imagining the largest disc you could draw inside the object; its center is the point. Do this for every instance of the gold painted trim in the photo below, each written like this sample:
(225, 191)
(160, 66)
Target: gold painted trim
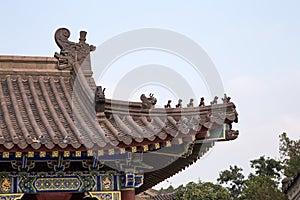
(30, 154)
(146, 147)
(100, 153)
(167, 154)
(43, 154)
(5, 155)
(122, 150)
(113, 193)
(133, 149)
(168, 143)
(78, 154)
(18, 154)
(66, 153)
(193, 137)
(17, 195)
(89, 153)
(54, 154)
(157, 145)
(111, 152)
(180, 141)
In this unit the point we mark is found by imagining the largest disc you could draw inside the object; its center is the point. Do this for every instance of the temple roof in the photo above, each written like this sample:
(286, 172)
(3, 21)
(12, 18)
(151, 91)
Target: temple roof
(39, 109)
(53, 104)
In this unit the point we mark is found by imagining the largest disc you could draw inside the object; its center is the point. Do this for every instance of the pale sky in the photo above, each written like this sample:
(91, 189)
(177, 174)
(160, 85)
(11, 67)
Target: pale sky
(254, 44)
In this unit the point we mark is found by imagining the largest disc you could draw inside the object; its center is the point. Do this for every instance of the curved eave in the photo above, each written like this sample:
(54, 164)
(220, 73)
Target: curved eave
(37, 111)
(153, 178)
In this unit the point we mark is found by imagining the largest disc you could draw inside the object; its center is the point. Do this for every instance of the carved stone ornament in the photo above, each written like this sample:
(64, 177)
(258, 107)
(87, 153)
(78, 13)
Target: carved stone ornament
(191, 103)
(71, 53)
(215, 101)
(231, 134)
(99, 99)
(168, 104)
(179, 105)
(202, 103)
(148, 103)
(226, 99)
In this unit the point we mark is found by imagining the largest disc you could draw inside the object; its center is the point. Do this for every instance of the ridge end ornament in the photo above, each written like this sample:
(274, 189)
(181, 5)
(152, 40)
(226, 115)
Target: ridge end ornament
(148, 102)
(99, 99)
(71, 53)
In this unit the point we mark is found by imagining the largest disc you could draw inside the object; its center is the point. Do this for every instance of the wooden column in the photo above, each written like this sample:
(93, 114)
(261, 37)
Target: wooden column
(54, 196)
(128, 194)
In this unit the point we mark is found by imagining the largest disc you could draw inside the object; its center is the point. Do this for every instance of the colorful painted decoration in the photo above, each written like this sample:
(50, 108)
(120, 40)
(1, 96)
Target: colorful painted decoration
(113, 195)
(5, 185)
(11, 196)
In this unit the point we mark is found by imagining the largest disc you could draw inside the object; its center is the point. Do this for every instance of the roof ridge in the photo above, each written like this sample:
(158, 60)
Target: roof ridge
(29, 64)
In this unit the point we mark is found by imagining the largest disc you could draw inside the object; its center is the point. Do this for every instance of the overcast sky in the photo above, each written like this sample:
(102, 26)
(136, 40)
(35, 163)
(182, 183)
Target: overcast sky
(254, 45)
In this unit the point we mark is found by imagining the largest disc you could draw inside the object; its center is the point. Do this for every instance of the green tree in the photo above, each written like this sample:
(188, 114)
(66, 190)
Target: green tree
(263, 184)
(234, 179)
(290, 154)
(269, 167)
(261, 188)
(169, 189)
(203, 191)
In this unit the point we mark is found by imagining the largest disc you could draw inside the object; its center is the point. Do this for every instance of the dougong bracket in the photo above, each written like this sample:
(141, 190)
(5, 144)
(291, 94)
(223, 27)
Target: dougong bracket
(71, 52)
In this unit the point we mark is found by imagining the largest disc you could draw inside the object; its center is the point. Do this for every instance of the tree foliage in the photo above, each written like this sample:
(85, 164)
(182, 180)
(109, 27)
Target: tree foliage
(203, 191)
(234, 179)
(168, 189)
(261, 188)
(267, 168)
(262, 184)
(290, 154)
